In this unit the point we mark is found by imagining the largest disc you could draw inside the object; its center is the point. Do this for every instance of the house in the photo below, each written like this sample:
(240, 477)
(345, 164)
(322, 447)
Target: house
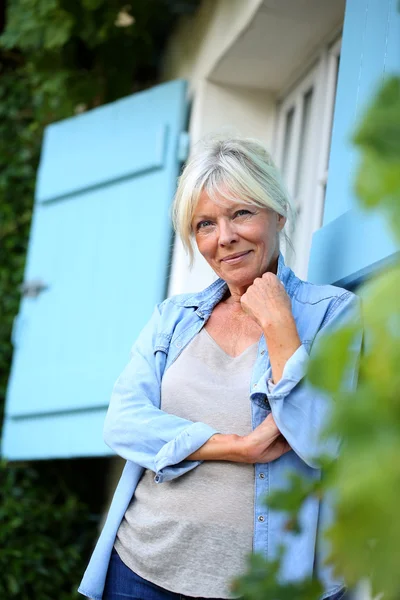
(296, 75)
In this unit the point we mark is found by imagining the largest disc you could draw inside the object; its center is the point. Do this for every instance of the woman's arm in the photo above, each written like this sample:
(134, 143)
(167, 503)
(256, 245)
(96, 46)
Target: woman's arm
(139, 431)
(267, 302)
(264, 444)
(300, 411)
(135, 427)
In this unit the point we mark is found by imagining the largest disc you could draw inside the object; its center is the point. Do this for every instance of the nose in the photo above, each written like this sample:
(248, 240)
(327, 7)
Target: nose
(227, 233)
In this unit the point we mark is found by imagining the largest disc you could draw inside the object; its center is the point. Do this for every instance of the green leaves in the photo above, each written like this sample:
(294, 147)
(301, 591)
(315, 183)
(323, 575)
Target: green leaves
(336, 349)
(378, 137)
(365, 479)
(262, 581)
(37, 25)
(379, 130)
(45, 536)
(291, 499)
(57, 57)
(367, 474)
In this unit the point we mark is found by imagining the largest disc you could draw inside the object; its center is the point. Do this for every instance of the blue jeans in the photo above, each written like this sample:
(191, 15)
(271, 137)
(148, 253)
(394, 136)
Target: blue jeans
(123, 584)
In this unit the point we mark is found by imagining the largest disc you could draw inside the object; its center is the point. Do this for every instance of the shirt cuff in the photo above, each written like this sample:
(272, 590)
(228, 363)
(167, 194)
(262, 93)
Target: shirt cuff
(293, 372)
(170, 461)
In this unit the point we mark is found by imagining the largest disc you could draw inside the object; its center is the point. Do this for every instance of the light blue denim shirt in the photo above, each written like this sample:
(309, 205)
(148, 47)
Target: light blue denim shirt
(148, 438)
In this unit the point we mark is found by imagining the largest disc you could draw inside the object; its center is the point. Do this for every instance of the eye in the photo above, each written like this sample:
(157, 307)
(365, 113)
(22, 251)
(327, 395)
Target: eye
(242, 212)
(203, 224)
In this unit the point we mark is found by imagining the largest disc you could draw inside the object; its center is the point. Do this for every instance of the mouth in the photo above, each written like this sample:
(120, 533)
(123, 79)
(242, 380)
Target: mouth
(235, 258)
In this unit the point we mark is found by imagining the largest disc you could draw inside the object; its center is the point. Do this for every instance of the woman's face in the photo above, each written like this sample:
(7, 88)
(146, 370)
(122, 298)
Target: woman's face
(239, 241)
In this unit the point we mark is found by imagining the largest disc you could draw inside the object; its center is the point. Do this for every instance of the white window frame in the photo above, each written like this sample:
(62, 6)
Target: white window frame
(321, 77)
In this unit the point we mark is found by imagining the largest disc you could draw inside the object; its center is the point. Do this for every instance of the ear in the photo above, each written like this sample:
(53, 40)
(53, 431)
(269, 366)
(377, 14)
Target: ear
(281, 220)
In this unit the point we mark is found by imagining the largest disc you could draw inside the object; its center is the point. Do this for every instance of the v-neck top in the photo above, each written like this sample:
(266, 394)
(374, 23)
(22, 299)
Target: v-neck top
(191, 535)
(149, 438)
(223, 351)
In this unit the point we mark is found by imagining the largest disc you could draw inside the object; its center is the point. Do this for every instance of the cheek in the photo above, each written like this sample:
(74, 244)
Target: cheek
(205, 245)
(265, 238)
(261, 235)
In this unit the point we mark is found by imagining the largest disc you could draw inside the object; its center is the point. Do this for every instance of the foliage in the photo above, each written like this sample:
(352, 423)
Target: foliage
(44, 532)
(262, 581)
(366, 476)
(19, 152)
(57, 58)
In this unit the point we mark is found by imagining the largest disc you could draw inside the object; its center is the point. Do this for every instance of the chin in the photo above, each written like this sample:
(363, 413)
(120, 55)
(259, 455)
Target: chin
(240, 279)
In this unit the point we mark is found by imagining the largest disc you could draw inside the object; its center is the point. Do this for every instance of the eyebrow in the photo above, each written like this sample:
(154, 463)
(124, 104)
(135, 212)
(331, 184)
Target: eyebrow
(229, 210)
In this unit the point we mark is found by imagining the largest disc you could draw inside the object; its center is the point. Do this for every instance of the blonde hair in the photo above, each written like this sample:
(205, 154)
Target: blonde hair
(232, 168)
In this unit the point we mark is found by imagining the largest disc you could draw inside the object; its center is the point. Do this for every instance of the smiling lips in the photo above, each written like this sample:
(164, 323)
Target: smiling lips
(235, 258)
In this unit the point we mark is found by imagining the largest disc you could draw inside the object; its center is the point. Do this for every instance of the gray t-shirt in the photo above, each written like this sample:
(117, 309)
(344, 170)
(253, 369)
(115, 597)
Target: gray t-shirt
(191, 535)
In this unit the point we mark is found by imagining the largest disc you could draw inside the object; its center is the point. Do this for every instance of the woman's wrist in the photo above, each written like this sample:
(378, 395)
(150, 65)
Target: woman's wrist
(220, 446)
(263, 444)
(282, 342)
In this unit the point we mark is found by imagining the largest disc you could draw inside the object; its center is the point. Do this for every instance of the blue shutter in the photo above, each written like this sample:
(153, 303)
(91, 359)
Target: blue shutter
(100, 241)
(352, 243)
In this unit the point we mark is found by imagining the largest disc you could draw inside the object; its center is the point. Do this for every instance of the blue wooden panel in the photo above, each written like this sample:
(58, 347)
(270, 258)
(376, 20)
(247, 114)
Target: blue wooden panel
(102, 247)
(104, 257)
(349, 248)
(392, 52)
(68, 435)
(351, 243)
(105, 144)
(362, 66)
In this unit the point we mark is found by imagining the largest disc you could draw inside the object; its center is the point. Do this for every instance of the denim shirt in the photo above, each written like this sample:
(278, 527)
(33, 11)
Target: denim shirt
(148, 438)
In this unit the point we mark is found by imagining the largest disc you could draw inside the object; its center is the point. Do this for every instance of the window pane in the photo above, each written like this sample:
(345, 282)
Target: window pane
(333, 106)
(287, 142)
(337, 65)
(304, 146)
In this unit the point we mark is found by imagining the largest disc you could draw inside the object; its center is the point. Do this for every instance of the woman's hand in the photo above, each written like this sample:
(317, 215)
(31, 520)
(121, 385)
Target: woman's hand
(265, 443)
(267, 302)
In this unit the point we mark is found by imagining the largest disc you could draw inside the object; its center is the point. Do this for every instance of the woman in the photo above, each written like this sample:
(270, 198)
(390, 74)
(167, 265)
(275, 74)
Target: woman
(212, 411)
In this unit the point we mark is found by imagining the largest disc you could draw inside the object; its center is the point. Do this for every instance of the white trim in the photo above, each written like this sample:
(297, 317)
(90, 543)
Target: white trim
(329, 61)
(334, 37)
(309, 200)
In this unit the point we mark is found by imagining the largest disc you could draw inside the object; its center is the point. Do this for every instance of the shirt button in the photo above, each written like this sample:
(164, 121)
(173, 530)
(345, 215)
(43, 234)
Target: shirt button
(178, 344)
(262, 475)
(262, 352)
(255, 385)
(261, 519)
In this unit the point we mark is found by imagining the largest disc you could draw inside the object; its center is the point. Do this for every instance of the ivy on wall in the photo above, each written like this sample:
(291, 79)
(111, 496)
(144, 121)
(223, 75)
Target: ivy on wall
(46, 532)
(57, 58)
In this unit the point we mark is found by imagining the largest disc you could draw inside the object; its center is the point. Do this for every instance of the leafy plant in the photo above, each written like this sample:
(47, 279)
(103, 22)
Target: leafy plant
(57, 58)
(366, 476)
(45, 532)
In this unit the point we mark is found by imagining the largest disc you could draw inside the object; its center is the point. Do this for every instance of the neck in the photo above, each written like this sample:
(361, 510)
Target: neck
(236, 291)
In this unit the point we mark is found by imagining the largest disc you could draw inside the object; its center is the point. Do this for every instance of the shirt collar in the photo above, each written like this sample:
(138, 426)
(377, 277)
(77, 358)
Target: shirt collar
(210, 296)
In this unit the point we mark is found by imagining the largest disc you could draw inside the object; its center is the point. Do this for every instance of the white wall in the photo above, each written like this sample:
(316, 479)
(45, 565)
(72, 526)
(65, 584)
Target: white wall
(193, 53)
(200, 41)
(217, 108)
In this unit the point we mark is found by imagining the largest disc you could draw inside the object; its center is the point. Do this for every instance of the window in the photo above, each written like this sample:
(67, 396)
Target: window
(303, 135)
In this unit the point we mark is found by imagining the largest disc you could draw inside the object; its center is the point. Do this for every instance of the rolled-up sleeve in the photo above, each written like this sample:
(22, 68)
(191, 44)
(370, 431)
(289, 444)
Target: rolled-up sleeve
(293, 372)
(300, 410)
(137, 429)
